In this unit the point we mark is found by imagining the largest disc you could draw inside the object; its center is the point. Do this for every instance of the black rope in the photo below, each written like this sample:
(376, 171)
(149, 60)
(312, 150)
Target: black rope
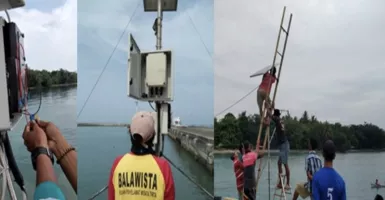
(239, 100)
(189, 178)
(108, 60)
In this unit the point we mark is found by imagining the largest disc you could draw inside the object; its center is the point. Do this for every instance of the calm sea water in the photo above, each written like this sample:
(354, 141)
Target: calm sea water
(98, 147)
(58, 106)
(357, 169)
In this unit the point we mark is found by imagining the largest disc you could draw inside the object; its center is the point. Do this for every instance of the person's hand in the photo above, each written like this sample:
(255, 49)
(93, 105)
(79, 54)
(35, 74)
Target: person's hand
(34, 137)
(52, 132)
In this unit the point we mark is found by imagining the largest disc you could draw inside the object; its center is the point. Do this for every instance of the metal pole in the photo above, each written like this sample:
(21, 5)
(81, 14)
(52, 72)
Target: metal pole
(158, 103)
(159, 24)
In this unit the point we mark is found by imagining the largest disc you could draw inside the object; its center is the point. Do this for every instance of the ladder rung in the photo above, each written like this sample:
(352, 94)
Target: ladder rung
(286, 190)
(279, 53)
(283, 29)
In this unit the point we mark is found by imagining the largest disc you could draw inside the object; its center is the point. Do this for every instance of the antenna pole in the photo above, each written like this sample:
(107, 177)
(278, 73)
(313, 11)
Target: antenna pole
(158, 104)
(159, 26)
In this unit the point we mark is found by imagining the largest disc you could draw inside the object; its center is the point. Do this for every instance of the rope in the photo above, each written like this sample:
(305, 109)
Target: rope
(99, 192)
(189, 178)
(7, 177)
(108, 60)
(238, 101)
(200, 36)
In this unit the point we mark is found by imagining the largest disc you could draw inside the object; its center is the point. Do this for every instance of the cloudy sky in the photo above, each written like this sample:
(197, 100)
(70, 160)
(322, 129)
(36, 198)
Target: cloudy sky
(50, 33)
(99, 28)
(334, 65)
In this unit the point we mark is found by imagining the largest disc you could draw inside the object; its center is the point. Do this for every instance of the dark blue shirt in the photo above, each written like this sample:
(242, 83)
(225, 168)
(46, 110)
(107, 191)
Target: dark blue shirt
(280, 130)
(327, 184)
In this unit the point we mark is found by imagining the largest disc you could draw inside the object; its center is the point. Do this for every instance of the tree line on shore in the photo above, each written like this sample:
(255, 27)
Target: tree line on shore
(44, 78)
(230, 131)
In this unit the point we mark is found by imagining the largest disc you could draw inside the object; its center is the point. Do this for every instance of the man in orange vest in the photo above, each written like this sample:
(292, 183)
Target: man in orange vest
(140, 174)
(263, 92)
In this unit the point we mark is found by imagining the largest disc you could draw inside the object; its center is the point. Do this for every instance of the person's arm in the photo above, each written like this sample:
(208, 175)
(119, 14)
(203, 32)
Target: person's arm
(309, 176)
(344, 192)
(307, 170)
(111, 189)
(315, 193)
(59, 146)
(169, 193)
(240, 165)
(46, 187)
(68, 162)
(44, 169)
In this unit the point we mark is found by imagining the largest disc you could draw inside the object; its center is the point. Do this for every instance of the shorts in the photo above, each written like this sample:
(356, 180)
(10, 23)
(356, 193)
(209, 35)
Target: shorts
(249, 194)
(48, 190)
(261, 96)
(284, 152)
(302, 190)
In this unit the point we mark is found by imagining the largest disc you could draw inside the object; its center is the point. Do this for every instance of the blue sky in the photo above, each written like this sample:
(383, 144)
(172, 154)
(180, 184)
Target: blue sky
(99, 28)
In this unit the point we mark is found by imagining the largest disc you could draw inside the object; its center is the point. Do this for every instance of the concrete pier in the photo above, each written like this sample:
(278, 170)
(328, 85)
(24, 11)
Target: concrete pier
(199, 141)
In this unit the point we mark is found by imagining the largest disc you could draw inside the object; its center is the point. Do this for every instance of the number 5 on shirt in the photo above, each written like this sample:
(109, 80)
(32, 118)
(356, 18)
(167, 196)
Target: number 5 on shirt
(330, 195)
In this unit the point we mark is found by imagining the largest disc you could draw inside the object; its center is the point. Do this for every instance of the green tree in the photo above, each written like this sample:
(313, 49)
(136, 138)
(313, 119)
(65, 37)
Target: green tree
(231, 130)
(44, 78)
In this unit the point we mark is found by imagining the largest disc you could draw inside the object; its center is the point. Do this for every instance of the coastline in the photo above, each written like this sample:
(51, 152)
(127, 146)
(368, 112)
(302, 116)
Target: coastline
(55, 86)
(83, 124)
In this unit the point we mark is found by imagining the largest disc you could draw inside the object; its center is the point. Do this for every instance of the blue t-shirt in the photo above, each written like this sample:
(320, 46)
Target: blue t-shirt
(327, 184)
(48, 191)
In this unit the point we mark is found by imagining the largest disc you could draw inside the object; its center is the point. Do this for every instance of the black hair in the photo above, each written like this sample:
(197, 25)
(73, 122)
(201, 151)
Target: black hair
(137, 147)
(329, 150)
(247, 146)
(378, 197)
(232, 157)
(273, 70)
(277, 112)
(313, 143)
(240, 148)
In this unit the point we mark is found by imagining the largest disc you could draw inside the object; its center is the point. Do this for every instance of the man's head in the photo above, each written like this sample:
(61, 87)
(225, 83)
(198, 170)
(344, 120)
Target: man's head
(241, 148)
(277, 113)
(234, 156)
(313, 144)
(247, 146)
(378, 197)
(329, 151)
(142, 128)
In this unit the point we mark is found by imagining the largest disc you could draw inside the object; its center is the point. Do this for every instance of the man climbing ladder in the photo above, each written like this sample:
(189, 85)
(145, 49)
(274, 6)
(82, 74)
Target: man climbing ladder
(263, 92)
(284, 147)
